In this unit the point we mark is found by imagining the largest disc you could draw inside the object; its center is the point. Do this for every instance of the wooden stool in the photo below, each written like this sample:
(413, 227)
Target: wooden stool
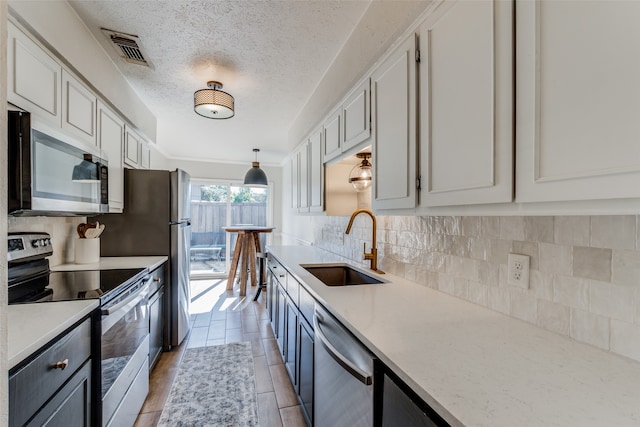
(262, 258)
(244, 254)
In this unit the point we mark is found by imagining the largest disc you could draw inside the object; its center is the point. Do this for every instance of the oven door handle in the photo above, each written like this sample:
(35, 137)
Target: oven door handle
(136, 297)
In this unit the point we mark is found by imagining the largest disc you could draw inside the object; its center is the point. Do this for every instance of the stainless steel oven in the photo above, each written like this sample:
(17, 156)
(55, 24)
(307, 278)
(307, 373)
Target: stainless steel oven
(121, 331)
(124, 355)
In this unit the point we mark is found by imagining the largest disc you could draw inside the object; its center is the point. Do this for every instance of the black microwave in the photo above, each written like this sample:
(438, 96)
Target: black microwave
(51, 177)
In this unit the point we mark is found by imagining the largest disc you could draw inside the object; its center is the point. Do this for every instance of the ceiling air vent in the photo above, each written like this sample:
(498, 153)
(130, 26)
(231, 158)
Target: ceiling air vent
(127, 46)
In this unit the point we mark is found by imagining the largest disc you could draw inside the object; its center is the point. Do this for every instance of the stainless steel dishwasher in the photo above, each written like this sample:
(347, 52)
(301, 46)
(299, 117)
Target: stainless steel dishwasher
(343, 375)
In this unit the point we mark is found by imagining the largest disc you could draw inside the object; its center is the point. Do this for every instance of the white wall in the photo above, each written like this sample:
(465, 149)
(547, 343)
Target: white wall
(60, 29)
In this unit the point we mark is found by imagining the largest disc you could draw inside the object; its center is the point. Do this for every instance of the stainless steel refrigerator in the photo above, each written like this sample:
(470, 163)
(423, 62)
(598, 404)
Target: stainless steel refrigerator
(156, 221)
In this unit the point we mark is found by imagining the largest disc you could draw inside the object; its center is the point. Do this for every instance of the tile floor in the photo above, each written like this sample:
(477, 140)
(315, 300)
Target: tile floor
(218, 317)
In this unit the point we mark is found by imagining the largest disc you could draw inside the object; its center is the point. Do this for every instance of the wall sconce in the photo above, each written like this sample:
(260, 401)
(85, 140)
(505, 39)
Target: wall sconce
(213, 103)
(360, 175)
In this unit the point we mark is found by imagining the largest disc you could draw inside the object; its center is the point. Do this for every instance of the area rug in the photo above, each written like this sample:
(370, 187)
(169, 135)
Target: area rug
(214, 386)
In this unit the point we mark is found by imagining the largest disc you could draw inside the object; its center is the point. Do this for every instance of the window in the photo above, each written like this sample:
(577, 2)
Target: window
(215, 205)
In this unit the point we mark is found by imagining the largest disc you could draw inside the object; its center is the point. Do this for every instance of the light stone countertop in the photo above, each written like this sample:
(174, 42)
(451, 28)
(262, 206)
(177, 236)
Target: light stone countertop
(474, 366)
(113, 263)
(30, 326)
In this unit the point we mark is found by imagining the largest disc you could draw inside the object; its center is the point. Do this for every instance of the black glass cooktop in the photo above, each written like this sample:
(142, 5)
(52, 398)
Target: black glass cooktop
(74, 285)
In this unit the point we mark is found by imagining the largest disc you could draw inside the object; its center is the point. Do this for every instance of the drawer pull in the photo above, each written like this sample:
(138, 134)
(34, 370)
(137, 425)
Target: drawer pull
(157, 279)
(60, 365)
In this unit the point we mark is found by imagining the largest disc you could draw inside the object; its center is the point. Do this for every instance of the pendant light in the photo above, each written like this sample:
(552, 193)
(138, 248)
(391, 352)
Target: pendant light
(360, 176)
(255, 176)
(213, 103)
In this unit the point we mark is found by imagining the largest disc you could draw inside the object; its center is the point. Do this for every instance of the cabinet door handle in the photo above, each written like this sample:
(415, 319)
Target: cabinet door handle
(157, 279)
(60, 365)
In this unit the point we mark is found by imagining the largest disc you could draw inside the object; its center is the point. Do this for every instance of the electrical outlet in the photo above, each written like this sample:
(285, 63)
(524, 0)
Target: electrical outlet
(518, 270)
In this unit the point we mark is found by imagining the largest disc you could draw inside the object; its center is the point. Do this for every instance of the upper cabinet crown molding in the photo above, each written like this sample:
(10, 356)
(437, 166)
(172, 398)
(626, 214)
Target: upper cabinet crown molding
(34, 77)
(393, 119)
(466, 98)
(578, 100)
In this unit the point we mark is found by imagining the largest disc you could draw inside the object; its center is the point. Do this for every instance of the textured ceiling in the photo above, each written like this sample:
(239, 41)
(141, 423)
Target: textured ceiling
(270, 55)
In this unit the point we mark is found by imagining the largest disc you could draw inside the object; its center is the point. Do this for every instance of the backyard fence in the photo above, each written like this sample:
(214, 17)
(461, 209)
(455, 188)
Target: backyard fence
(212, 216)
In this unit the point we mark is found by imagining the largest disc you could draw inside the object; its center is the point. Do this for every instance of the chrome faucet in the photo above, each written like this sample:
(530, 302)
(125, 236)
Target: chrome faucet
(373, 255)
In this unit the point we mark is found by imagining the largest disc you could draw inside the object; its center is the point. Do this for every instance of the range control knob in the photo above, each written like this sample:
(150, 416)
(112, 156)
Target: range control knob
(35, 243)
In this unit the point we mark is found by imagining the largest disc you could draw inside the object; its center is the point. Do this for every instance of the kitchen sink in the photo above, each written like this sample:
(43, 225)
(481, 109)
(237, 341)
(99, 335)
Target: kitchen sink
(340, 275)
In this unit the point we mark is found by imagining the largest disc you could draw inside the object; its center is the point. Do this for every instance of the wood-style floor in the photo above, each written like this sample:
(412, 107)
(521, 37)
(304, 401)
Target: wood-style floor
(218, 317)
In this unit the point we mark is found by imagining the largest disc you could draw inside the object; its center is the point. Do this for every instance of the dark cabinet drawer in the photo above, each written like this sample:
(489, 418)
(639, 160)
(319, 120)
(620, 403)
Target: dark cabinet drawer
(157, 279)
(306, 304)
(32, 385)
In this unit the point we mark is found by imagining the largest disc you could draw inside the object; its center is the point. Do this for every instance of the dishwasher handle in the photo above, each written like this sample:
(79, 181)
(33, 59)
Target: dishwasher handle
(342, 360)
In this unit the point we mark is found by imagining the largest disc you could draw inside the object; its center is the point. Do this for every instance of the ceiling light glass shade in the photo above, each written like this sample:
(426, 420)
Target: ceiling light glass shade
(213, 103)
(360, 175)
(255, 176)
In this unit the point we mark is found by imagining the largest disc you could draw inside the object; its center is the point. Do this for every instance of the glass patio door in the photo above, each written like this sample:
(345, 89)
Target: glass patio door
(215, 205)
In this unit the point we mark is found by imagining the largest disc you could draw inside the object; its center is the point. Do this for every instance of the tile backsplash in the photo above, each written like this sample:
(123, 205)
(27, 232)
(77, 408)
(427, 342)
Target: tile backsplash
(584, 278)
(62, 231)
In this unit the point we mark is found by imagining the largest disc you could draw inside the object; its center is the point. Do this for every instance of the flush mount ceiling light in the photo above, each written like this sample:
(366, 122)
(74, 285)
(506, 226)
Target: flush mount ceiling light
(213, 103)
(255, 176)
(360, 176)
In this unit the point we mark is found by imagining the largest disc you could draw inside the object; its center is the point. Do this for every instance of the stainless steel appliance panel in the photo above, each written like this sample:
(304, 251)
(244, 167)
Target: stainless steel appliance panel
(343, 376)
(155, 222)
(50, 174)
(127, 412)
(124, 346)
(180, 260)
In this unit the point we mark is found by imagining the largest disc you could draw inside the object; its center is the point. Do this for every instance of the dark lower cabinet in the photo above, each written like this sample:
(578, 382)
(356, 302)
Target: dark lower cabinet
(280, 319)
(294, 334)
(156, 329)
(291, 341)
(305, 369)
(53, 386)
(71, 405)
(397, 405)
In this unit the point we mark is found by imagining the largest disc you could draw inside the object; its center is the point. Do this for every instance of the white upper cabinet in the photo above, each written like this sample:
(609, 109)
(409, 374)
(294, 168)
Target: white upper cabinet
(145, 155)
(332, 131)
(131, 148)
(303, 178)
(79, 106)
(295, 185)
(578, 100)
(466, 99)
(316, 181)
(356, 116)
(33, 77)
(111, 140)
(393, 114)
